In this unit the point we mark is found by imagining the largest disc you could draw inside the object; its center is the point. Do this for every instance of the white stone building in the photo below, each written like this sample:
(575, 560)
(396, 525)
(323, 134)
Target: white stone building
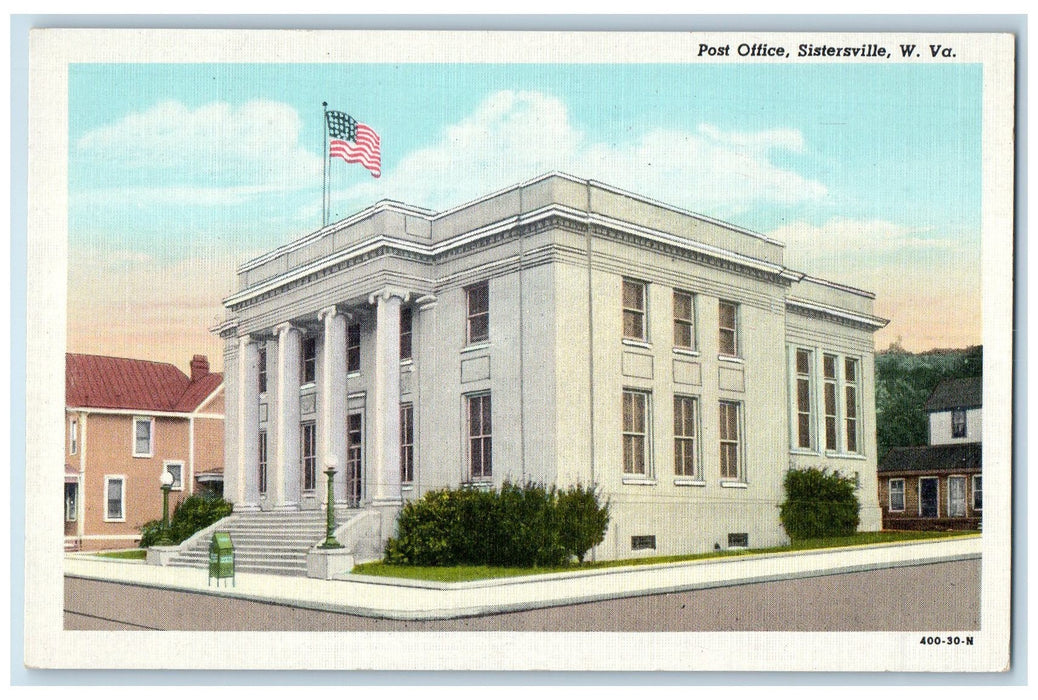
(557, 331)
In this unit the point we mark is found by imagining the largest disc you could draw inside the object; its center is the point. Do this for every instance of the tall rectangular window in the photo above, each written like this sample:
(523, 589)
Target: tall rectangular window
(262, 373)
(308, 368)
(480, 446)
(956, 497)
(73, 436)
(634, 310)
(829, 378)
(684, 321)
(958, 423)
(685, 423)
(804, 400)
(850, 389)
(728, 328)
(261, 463)
(635, 433)
(477, 301)
(308, 455)
(115, 498)
(142, 437)
(353, 347)
(897, 495)
(354, 459)
(978, 495)
(405, 333)
(729, 439)
(406, 443)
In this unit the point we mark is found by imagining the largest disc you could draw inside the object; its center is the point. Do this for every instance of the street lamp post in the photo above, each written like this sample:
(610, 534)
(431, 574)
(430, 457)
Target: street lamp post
(329, 541)
(167, 483)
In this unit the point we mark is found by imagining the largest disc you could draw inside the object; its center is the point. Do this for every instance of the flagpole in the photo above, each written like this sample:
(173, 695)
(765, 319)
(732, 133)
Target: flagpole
(324, 177)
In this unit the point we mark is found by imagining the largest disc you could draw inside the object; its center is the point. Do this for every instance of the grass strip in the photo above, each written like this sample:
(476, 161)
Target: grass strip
(454, 574)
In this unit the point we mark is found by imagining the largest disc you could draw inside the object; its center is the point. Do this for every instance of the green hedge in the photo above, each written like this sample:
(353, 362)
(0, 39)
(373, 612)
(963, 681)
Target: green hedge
(818, 503)
(520, 525)
(192, 514)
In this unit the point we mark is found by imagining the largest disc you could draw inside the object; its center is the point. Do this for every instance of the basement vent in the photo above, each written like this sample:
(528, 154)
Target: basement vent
(643, 542)
(738, 539)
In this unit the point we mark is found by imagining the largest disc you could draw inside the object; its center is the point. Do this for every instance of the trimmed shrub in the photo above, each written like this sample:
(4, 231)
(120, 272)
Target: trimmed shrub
(583, 520)
(818, 503)
(192, 514)
(520, 525)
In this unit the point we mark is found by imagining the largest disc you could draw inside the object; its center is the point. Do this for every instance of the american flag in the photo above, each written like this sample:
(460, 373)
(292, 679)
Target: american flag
(354, 142)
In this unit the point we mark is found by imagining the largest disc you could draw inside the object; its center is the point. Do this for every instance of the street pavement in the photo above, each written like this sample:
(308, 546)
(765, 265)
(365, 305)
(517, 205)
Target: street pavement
(382, 599)
(938, 596)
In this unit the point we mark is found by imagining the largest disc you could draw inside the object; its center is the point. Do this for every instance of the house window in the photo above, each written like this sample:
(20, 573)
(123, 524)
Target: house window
(308, 455)
(176, 470)
(978, 500)
(406, 443)
(308, 370)
(850, 391)
(73, 436)
(142, 436)
(480, 447)
(897, 495)
(71, 502)
(634, 310)
(684, 321)
(262, 374)
(405, 333)
(478, 312)
(685, 422)
(829, 378)
(115, 499)
(636, 432)
(728, 328)
(956, 497)
(959, 423)
(262, 462)
(353, 347)
(804, 421)
(729, 439)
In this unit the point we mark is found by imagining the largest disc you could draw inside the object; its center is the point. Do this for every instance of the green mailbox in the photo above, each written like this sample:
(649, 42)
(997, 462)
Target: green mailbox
(221, 558)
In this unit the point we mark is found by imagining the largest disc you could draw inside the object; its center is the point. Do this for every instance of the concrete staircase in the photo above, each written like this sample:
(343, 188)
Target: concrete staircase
(264, 542)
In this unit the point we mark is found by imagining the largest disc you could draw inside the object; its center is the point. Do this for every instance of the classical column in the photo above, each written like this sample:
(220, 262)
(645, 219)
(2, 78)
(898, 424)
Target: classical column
(247, 478)
(286, 467)
(331, 402)
(385, 448)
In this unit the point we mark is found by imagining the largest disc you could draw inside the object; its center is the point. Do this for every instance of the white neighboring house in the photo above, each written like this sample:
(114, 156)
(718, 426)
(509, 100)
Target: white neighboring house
(558, 331)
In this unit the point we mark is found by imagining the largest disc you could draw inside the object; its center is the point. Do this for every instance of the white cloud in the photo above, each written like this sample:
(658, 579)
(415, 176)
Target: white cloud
(842, 234)
(205, 149)
(516, 135)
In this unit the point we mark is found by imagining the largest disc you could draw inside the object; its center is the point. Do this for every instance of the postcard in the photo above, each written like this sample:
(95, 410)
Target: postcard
(489, 350)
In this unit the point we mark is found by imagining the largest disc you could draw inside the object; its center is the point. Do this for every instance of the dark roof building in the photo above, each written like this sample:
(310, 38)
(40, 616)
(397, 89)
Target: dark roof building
(956, 393)
(931, 458)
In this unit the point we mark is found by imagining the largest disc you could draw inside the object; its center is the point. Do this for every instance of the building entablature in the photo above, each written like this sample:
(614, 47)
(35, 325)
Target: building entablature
(429, 255)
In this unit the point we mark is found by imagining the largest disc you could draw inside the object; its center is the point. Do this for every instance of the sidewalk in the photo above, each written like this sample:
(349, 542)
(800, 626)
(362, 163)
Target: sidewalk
(405, 599)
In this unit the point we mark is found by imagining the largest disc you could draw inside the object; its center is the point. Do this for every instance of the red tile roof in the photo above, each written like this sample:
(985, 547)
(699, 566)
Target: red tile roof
(97, 381)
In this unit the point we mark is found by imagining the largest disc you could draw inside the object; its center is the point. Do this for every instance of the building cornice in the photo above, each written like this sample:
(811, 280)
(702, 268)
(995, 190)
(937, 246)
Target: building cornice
(552, 215)
(812, 309)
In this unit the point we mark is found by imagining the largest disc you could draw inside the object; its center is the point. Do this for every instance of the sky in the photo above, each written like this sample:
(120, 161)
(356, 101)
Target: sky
(178, 173)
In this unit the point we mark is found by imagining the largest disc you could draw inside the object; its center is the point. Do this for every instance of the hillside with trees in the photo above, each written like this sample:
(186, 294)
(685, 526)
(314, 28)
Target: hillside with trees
(904, 381)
